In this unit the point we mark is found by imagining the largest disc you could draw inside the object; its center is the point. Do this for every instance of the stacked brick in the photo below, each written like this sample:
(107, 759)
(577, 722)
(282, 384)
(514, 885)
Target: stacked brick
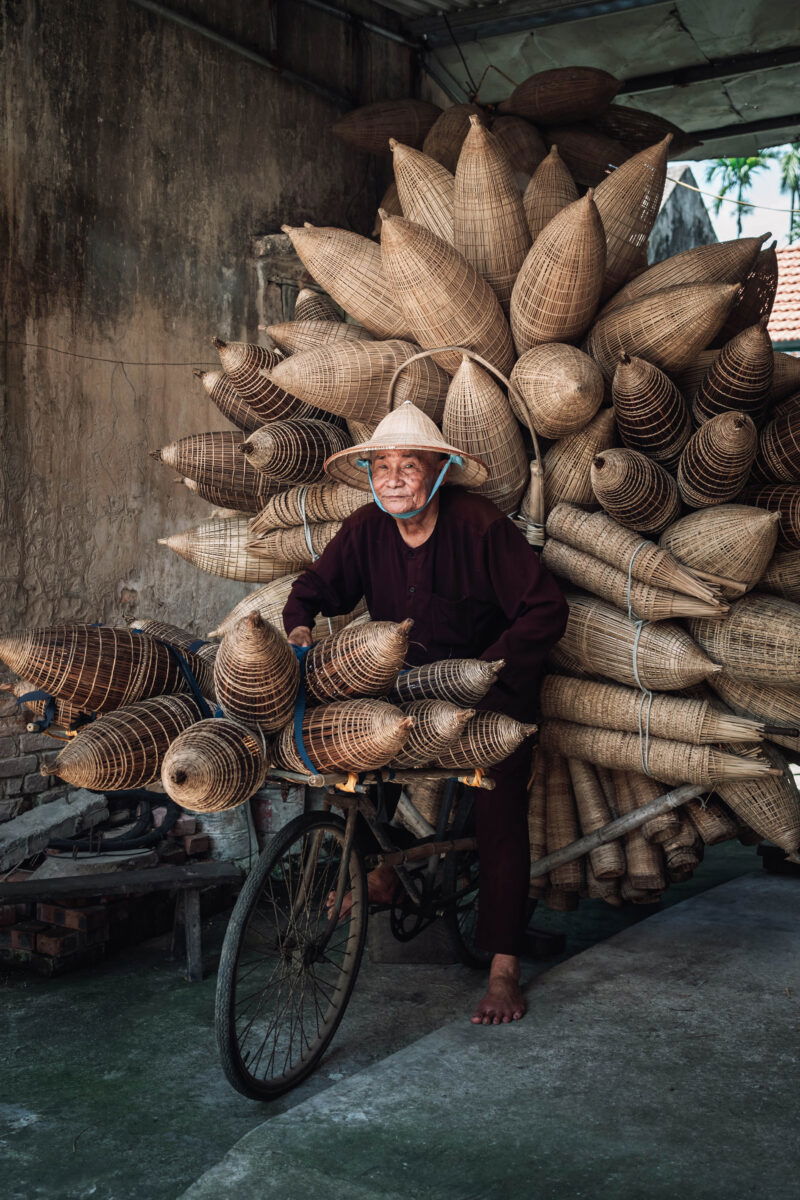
(21, 753)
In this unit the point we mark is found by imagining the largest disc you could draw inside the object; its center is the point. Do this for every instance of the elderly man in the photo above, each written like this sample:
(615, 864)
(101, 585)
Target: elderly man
(454, 563)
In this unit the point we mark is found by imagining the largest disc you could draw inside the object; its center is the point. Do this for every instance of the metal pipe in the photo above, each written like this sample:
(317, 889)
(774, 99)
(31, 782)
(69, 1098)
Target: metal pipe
(360, 23)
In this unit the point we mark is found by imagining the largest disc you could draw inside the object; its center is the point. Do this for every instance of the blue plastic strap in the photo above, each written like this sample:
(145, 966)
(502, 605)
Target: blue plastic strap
(196, 645)
(452, 459)
(46, 720)
(300, 710)
(187, 673)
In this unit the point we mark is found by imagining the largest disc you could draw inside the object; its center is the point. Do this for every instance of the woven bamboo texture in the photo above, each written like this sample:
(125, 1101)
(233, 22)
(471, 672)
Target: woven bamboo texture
(351, 379)
(732, 541)
(785, 376)
(66, 716)
(550, 190)
(559, 660)
(436, 725)
(445, 300)
(247, 366)
(739, 379)
(562, 94)
(688, 379)
(608, 861)
(758, 641)
(762, 701)
(230, 498)
(562, 389)
(97, 668)
(600, 535)
(561, 823)
(269, 601)
(602, 889)
(754, 303)
(256, 675)
(587, 153)
(124, 749)
(644, 601)
(651, 414)
(462, 681)
(222, 392)
(349, 268)
(489, 224)
(294, 336)
(314, 306)
(634, 490)
(446, 136)
(769, 806)
(351, 735)
(537, 821)
(605, 706)
(294, 451)
(425, 189)
(646, 867)
(215, 460)
(486, 739)
(713, 822)
(638, 129)
(783, 499)
(568, 463)
(628, 201)
(479, 420)
(215, 765)
(668, 328)
(673, 762)
(643, 788)
(778, 454)
(522, 145)
(426, 797)
(369, 127)
(301, 543)
(313, 502)
(360, 661)
(716, 461)
(782, 576)
(181, 638)
(604, 641)
(220, 547)
(558, 286)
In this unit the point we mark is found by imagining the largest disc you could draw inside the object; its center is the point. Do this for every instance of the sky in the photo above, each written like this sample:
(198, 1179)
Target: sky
(765, 190)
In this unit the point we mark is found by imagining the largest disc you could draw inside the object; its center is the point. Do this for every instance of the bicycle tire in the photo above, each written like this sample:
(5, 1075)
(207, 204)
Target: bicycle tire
(461, 878)
(298, 972)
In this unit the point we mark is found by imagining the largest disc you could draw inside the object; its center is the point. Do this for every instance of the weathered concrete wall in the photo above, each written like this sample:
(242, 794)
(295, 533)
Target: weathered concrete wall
(683, 221)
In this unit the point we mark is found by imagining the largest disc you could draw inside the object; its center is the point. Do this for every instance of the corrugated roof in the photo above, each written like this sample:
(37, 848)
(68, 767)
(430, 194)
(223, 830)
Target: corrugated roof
(784, 324)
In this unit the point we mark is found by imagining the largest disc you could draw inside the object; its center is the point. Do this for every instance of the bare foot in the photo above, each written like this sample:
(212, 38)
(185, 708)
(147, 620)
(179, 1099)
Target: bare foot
(504, 1001)
(381, 889)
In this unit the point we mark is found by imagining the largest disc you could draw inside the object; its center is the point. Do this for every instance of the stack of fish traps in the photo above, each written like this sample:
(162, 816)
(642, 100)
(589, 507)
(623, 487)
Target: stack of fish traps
(636, 424)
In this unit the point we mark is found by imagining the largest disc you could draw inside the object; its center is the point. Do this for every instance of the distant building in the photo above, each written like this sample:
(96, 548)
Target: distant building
(683, 221)
(784, 323)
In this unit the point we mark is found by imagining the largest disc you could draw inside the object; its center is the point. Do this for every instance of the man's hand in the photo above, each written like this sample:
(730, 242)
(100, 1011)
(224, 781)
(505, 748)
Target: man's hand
(300, 636)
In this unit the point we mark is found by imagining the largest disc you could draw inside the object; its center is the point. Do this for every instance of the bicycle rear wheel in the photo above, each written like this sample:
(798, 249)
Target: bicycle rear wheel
(286, 973)
(461, 881)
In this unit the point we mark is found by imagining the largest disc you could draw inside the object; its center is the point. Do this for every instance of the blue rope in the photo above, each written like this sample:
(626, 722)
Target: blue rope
(300, 710)
(188, 674)
(44, 722)
(453, 459)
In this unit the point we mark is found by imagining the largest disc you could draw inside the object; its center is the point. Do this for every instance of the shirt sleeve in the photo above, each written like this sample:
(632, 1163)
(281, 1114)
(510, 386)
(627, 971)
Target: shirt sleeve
(333, 585)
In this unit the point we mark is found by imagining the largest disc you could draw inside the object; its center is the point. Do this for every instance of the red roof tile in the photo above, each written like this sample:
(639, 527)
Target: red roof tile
(784, 324)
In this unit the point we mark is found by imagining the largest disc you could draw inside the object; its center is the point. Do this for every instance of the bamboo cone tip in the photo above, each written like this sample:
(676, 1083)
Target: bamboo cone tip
(475, 120)
(589, 197)
(156, 454)
(384, 215)
(394, 145)
(289, 229)
(198, 374)
(405, 626)
(554, 153)
(763, 237)
(408, 723)
(308, 225)
(218, 343)
(498, 664)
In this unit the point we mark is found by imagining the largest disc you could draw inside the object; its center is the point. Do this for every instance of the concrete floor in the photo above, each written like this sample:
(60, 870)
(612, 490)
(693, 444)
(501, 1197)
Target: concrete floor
(110, 1082)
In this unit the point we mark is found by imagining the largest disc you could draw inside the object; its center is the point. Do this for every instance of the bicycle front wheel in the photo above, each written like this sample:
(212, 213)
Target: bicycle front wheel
(286, 973)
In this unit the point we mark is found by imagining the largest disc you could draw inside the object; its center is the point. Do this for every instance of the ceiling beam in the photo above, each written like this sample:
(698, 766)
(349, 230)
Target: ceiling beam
(723, 68)
(492, 20)
(765, 125)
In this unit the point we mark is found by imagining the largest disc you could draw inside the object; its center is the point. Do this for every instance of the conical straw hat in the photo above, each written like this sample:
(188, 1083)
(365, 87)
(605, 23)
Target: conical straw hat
(405, 428)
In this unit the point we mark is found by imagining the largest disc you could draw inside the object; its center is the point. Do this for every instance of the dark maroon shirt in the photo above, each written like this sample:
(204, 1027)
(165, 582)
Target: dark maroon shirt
(475, 589)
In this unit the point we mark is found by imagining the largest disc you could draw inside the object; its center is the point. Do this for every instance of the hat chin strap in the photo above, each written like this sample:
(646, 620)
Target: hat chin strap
(452, 460)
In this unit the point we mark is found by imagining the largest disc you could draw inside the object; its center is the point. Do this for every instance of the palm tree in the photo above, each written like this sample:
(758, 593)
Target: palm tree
(789, 160)
(736, 175)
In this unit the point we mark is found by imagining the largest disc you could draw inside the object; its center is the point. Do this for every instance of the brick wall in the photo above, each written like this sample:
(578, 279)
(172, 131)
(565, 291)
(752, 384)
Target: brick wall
(22, 786)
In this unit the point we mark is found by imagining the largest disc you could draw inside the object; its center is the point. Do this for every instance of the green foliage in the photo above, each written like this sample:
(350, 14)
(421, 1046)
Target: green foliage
(737, 175)
(789, 161)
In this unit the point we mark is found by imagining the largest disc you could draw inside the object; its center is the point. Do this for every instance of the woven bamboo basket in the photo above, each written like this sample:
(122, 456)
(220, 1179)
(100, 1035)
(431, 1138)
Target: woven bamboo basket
(301, 543)
(763, 702)
(369, 127)
(445, 301)
(778, 455)
(176, 636)
(436, 725)
(645, 867)
(269, 601)
(608, 861)
(600, 535)
(605, 706)
(587, 153)
(351, 735)
(360, 661)
(247, 366)
(638, 129)
(561, 661)
(634, 490)
(522, 145)
(222, 392)
(651, 414)
(425, 190)
(256, 675)
(215, 461)
(644, 601)
(758, 641)
(550, 190)
(352, 379)
(349, 268)
(462, 681)
(560, 900)
(783, 499)
(487, 738)
(785, 408)
(96, 668)
(568, 463)
(326, 501)
(739, 379)
(294, 451)
(214, 765)
(446, 136)
(562, 389)
(314, 306)
(66, 716)
(220, 547)
(643, 788)
(668, 328)
(782, 576)
(769, 806)
(755, 300)
(489, 224)
(718, 262)
(605, 642)
(785, 376)
(558, 286)
(479, 420)
(229, 500)
(601, 889)
(712, 820)
(716, 460)
(628, 201)
(674, 762)
(124, 749)
(294, 336)
(729, 542)
(537, 822)
(561, 823)
(688, 379)
(562, 94)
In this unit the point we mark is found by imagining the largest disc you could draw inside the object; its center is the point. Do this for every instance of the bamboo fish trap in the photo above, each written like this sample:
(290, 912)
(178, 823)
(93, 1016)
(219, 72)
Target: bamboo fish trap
(587, 153)
(716, 460)
(215, 460)
(561, 389)
(537, 822)
(487, 738)
(230, 499)
(638, 129)
(66, 716)
(324, 501)
(605, 706)
(181, 638)
(568, 463)
(607, 861)
(756, 296)
(522, 145)
(124, 749)
(782, 576)
(425, 190)
(769, 806)
(628, 201)
(314, 306)
(269, 601)
(785, 376)
(222, 392)
(437, 724)
(651, 414)
(660, 657)
(729, 543)
(640, 790)
(350, 735)
(783, 499)
(293, 451)
(551, 188)
(369, 127)
(301, 543)
(256, 675)
(758, 641)
(713, 822)
(295, 336)
(561, 825)
(247, 366)
(214, 765)
(764, 702)
(562, 94)
(739, 379)
(221, 548)
(361, 661)
(634, 490)
(778, 455)
(462, 681)
(446, 136)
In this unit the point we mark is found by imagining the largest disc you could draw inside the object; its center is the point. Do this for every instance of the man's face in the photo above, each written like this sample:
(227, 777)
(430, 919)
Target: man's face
(403, 479)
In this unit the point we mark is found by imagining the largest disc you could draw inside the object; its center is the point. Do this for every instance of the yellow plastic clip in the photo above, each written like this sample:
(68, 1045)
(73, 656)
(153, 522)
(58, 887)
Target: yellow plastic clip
(473, 780)
(350, 783)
